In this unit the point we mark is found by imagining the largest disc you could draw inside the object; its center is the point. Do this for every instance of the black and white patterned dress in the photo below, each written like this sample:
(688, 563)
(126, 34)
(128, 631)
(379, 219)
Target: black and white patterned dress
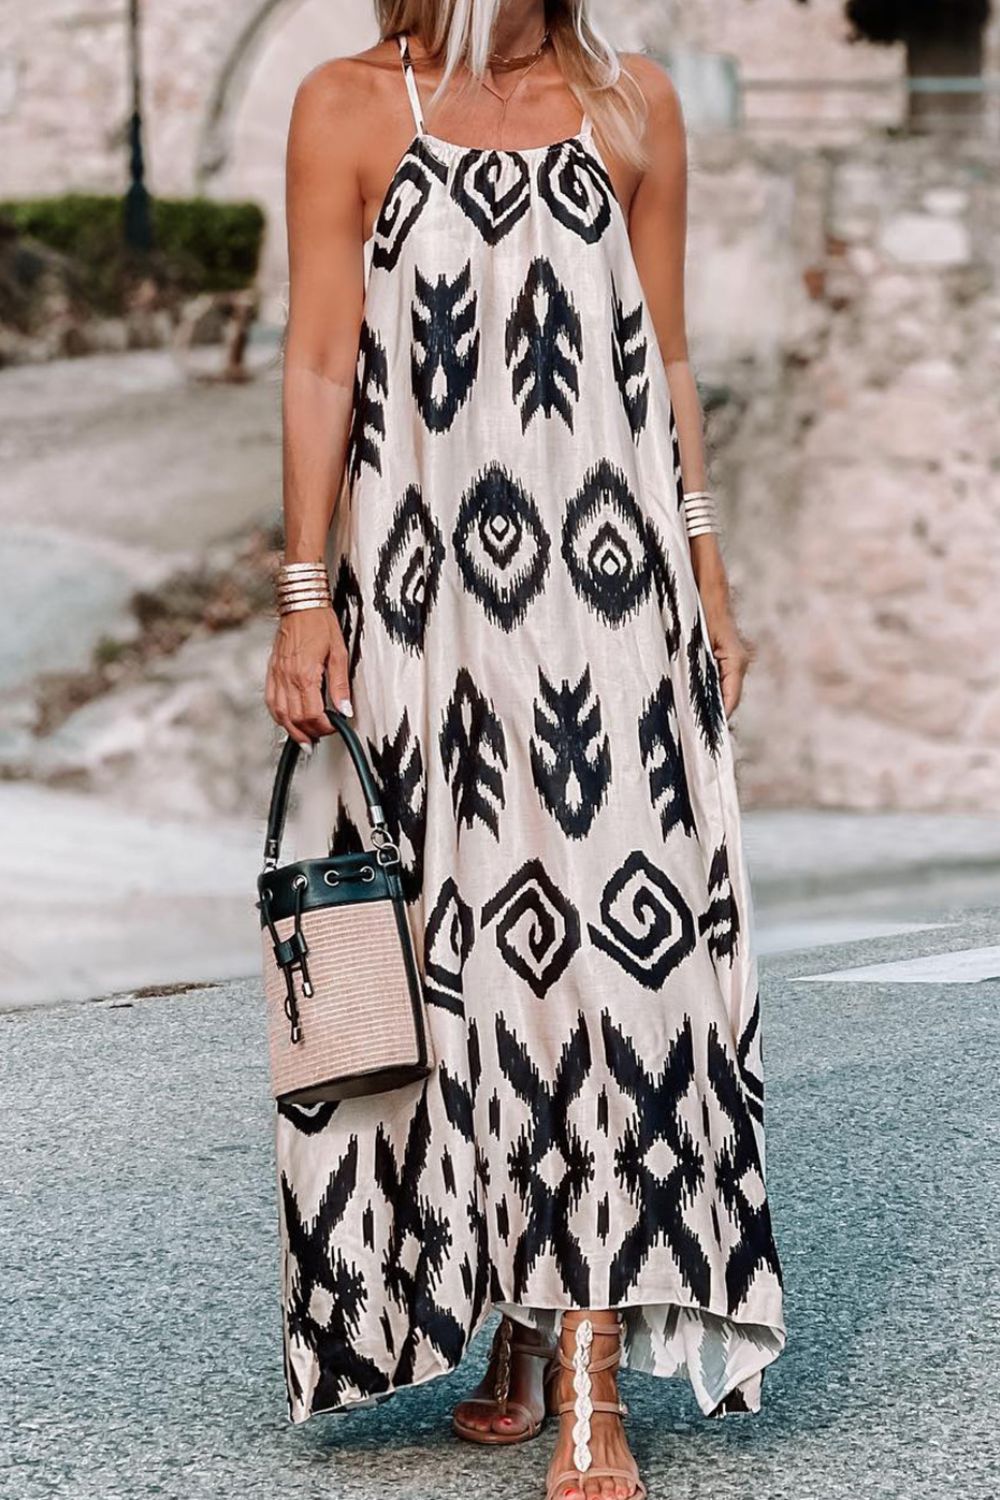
(531, 673)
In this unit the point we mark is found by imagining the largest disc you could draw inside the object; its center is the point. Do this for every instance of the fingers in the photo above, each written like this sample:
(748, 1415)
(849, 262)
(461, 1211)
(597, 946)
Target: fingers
(732, 671)
(307, 647)
(306, 707)
(283, 715)
(337, 679)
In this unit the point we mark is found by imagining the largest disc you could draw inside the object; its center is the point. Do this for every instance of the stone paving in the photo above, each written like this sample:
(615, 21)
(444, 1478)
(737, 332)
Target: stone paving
(141, 1356)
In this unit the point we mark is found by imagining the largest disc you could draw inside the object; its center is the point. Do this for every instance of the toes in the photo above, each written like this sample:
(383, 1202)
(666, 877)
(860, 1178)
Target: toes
(508, 1426)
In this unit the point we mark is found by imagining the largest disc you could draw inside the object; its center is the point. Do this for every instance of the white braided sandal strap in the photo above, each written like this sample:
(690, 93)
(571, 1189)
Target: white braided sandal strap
(583, 1406)
(616, 1408)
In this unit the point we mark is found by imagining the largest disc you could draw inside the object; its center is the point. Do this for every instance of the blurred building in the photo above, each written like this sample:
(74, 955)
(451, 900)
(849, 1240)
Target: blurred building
(844, 312)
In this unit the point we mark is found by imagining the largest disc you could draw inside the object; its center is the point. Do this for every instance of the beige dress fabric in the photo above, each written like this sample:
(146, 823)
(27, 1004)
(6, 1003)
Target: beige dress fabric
(531, 674)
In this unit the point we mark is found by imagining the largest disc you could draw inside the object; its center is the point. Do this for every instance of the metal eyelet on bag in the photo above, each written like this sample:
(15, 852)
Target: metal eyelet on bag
(330, 877)
(367, 874)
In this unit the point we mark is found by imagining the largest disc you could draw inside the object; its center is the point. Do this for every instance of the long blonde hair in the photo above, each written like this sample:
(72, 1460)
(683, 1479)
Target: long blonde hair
(461, 31)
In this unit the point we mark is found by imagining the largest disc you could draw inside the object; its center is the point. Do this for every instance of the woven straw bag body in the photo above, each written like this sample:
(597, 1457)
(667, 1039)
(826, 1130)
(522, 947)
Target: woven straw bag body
(345, 1006)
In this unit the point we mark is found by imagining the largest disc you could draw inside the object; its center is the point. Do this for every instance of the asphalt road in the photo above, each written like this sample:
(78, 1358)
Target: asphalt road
(140, 1354)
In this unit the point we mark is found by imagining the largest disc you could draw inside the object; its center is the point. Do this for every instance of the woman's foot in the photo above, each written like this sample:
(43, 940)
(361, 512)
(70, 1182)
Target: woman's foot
(488, 1415)
(607, 1444)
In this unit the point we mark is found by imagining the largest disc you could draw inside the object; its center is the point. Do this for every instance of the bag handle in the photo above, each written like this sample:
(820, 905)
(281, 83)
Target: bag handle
(287, 762)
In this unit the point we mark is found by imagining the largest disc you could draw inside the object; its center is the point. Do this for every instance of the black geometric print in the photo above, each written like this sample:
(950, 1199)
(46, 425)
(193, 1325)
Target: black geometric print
(409, 570)
(629, 364)
(570, 762)
(457, 1099)
(319, 1266)
(448, 942)
(721, 922)
(488, 196)
(412, 1276)
(606, 545)
(547, 1209)
(662, 933)
(399, 772)
(444, 355)
(659, 1201)
(752, 1082)
(542, 360)
(346, 837)
(475, 1058)
(665, 585)
(706, 693)
(308, 1119)
(538, 928)
(501, 546)
(350, 611)
(675, 448)
(660, 748)
(476, 1281)
(474, 756)
(577, 189)
(404, 202)
(738, 1156)
(371, 386)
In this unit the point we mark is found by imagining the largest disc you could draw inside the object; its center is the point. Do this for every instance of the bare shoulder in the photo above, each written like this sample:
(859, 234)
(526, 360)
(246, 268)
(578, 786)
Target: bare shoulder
(346, 92)
(663, 105)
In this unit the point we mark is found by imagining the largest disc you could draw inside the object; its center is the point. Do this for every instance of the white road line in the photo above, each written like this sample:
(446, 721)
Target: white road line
(966, 966)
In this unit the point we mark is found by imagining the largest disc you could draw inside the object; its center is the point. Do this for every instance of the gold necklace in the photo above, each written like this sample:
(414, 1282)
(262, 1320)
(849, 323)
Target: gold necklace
(534, 59)
(506, 63)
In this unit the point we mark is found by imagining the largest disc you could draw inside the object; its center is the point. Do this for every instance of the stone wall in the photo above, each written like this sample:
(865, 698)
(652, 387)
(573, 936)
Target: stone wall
(63, 93)
(845, 319)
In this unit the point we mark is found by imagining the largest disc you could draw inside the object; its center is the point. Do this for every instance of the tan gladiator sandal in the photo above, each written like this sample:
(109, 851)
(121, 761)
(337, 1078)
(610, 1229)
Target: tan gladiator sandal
(583, 1408)
(504, 1345)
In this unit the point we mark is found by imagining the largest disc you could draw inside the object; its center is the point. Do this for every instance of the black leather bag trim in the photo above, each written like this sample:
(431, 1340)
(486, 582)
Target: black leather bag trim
(318, 893)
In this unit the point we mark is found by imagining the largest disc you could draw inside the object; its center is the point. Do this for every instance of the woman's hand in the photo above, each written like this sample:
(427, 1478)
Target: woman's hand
(309, 646)
(730, 650)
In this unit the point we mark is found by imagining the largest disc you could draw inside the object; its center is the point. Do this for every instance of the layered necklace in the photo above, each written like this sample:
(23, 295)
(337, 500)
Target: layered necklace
(501, 64)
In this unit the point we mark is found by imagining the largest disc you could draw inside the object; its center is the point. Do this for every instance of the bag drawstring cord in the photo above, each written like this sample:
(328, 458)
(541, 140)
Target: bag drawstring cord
(290, 954)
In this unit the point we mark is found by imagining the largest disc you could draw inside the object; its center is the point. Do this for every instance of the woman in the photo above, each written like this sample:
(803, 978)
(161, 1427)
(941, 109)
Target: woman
(530, 622)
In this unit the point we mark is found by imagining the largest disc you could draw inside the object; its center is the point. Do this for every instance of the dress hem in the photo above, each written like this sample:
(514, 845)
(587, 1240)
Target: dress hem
(716, 1412)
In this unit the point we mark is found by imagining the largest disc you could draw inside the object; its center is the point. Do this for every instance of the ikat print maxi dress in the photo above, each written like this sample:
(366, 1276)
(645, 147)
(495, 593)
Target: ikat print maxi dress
(531, 673)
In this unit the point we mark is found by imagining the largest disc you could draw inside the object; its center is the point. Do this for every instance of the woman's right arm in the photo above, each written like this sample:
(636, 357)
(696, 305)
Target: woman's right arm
(326, 304)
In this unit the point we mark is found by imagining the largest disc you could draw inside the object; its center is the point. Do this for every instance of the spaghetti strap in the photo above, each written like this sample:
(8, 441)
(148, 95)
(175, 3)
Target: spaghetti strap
(411, 82)
(587, 128)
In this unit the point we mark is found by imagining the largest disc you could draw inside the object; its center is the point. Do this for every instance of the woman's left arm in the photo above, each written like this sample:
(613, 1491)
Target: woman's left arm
(658, 232)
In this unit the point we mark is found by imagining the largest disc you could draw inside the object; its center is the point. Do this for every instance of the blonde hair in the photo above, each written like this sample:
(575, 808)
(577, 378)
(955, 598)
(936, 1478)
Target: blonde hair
(453, 32)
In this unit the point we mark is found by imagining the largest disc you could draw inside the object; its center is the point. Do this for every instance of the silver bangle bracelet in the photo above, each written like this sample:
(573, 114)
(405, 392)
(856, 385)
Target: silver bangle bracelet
(318, 603)
(700, 514)
(303, 585)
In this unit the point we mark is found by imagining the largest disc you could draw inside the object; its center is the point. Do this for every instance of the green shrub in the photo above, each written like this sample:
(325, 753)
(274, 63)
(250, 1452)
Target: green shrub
(200, 245)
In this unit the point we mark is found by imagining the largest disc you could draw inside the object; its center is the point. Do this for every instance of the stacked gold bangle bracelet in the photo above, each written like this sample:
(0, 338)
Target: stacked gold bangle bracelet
(700, 514)
(302, 586)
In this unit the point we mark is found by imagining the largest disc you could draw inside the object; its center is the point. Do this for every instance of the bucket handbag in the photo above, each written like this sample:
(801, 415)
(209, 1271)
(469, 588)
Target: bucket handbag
(346, 1014)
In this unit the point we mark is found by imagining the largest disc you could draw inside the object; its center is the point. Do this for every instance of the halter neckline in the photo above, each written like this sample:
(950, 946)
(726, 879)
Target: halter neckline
(582, 135)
